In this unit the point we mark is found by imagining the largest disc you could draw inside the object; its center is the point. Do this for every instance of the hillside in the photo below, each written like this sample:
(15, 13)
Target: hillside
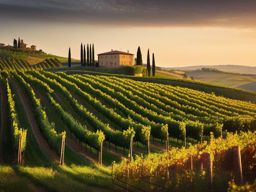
(73, 130)
(31, 58)
(240, 69)
(233, 80)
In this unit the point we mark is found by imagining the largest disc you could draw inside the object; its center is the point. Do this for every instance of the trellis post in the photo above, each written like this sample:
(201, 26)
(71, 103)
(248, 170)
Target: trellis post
(62, 150)
(238, 163)
(19, 149)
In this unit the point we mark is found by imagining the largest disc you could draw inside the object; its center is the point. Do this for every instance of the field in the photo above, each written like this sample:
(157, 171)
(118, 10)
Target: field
(233, 80)
(65, 131)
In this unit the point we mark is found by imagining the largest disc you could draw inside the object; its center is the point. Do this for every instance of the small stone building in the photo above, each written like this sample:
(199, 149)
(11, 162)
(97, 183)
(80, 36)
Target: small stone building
(115, 59)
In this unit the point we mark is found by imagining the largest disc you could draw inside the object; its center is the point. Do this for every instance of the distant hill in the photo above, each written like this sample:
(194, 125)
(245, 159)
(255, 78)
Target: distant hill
(233, 80)
(225, 68)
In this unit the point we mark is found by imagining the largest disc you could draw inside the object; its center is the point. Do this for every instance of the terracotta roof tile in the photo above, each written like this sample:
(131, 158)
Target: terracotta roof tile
(115, 53)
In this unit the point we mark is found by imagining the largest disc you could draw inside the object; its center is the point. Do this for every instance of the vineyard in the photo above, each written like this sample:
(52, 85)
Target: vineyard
(77, 132)
(11, 64)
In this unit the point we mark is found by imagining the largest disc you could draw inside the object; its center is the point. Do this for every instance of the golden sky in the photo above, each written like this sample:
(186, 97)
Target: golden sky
(179, 32)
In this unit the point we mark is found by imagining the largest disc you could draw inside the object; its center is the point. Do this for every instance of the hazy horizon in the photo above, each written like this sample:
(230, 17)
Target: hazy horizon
(180, 33)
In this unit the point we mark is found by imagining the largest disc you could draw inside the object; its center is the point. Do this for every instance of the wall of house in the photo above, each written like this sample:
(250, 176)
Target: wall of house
(115, 60)
(126, 59)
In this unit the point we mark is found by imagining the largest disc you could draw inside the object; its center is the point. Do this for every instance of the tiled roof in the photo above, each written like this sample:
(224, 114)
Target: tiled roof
(115, 53)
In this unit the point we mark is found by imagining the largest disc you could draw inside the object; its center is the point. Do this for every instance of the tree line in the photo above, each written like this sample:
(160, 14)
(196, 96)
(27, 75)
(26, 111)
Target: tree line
(151, 69)
(87, 56)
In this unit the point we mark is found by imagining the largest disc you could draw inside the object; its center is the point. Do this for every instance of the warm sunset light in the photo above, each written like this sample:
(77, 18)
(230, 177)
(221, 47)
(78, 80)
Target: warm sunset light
(180, 32)
(128, 95)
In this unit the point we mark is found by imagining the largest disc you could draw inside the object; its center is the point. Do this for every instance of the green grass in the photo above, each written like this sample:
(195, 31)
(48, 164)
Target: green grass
(51, 180)
(89, 175)
(9, 181)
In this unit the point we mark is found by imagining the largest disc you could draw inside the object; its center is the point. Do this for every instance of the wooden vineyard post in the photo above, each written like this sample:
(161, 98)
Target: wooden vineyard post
(19, 149)
(100, 153)
(62, 150)
(191, 163)
(238, 163)
(208, 164)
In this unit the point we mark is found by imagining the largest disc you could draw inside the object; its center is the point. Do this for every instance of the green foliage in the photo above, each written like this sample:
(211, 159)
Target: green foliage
(146, 131)
(15, 125)
(129, 133)
(240, 123)
(46, 127)
(139, 57)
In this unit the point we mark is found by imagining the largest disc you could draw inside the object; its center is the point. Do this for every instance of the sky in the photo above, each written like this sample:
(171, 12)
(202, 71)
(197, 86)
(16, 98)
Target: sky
(179, 32)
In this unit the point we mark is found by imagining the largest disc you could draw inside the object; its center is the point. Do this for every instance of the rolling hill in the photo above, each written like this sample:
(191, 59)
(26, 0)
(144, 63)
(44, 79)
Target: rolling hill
(233, 80)
(31, 58)
(91, 109)
(75, 129)
(240, 69)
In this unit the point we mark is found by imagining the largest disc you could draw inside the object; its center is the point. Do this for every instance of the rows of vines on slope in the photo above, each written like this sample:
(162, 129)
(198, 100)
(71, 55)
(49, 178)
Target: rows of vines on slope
(190, 107)
(17, 130)
(174, 108)
(147, 166)
(211, 98)
(194, 128)
(46, 127)
(93, 139)
(22, 65)
(204, 98)
(111, 102)
(207, 129)
(177, 129)
(114, 136)
(124, 123)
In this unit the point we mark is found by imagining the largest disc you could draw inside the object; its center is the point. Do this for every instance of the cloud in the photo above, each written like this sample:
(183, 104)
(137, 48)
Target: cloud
(135, 12)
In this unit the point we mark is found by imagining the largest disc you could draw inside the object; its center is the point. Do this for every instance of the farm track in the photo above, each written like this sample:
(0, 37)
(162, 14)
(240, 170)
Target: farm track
(71, 141)
(5, 144)
(3, 120)
(110, 150)
(42, 143)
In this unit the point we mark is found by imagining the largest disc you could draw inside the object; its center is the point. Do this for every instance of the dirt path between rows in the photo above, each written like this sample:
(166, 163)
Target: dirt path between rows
(71, 141)
(42, 142)
(4, 123)
(60, 101)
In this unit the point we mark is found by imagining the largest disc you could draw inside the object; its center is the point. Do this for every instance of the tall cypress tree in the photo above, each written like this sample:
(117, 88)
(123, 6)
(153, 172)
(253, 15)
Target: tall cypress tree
(148, 65)
(19, 43)
(15, 43)
(139, 57)
(69, 57)
(93, 56)
(85, 63)
(82, 54)
(88, 56)
(153, 65)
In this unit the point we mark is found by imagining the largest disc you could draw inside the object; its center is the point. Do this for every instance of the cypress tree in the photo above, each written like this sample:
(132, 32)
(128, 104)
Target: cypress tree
(69, 57)
(153, 66)
(85, 63)
(139, 57)
(82, 55)
(15, 43)
(19, 43)
(88, 56)
(148, 65)
(93, 56)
